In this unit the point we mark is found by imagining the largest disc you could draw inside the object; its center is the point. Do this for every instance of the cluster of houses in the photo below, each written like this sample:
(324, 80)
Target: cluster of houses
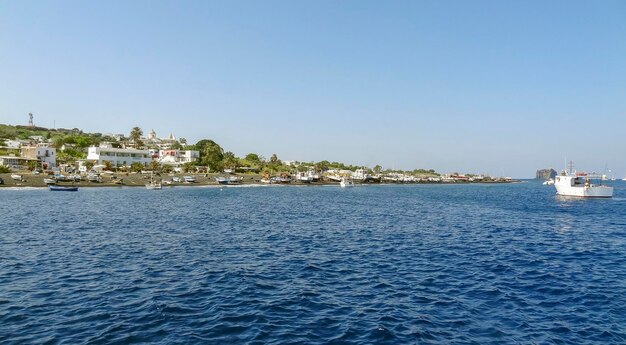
(39, 152)
(43, 156)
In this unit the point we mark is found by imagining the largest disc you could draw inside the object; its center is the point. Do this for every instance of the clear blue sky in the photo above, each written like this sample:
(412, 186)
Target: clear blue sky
(500, 87)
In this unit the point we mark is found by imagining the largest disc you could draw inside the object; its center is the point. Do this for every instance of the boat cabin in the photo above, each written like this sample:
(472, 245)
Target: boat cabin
(573, 181)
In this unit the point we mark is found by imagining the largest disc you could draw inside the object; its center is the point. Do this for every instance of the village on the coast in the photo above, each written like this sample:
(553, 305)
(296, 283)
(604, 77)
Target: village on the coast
(32, 156)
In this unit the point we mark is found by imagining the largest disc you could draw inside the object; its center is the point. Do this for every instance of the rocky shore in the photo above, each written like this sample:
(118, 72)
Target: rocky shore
(119, 179)
(140, 180)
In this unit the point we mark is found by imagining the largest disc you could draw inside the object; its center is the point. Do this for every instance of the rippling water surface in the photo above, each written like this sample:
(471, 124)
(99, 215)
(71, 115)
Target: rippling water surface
(312, 265)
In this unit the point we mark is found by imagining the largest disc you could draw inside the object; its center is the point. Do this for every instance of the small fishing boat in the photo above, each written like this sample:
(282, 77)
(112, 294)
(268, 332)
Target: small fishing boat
(63, 188)
(571, 183)
(49, 181)
(189, 179)
(16, 177)
(228, 180)
(94, 178)
(280, 180)
(154, 185)
(60, 177)
(346, 183)
(235, 179)
(221, 180)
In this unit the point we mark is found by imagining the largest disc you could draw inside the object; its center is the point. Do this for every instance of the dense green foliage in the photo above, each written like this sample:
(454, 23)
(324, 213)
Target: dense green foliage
(211, 154)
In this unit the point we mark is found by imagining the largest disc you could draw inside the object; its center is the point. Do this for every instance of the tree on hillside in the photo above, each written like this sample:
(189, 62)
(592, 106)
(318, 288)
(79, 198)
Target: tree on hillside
(83, 141)
(378, 169)
(229, 160)
(211, 154)
(58, 141)
(253, 158)
(322, 166)
(176, 146)
(274, 159)
(135, 136)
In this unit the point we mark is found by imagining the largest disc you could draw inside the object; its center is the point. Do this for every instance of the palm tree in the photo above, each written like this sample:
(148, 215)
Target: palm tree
(155, 166)
(135, 136)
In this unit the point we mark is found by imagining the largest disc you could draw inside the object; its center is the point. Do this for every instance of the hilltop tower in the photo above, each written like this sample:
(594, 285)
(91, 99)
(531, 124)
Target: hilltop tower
(30, 120)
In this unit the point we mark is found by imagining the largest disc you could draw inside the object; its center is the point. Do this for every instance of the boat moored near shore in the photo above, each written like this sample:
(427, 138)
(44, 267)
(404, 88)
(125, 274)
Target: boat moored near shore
(56, 188)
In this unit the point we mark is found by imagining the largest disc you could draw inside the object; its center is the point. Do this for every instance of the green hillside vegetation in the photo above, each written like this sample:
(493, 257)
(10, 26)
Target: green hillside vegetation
(72, 145)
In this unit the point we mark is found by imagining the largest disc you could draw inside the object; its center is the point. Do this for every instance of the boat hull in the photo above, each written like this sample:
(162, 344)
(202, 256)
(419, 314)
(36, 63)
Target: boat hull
(585, 192)
(62, 188)
(580, 186)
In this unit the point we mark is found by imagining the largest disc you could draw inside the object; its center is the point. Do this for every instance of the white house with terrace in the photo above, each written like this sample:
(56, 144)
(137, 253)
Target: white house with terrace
(45, 155)
(178, 157)
(117, 156)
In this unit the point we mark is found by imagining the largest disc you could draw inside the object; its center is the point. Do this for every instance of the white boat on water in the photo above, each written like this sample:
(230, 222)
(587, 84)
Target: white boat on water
(549, 182)
(154, 185)
(346, 183)
(579, 185)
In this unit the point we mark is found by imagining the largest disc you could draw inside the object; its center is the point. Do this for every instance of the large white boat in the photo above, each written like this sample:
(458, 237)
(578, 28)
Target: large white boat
(579, 185)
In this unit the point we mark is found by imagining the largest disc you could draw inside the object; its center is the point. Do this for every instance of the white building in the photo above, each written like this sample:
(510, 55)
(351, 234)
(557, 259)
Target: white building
(12, 144)
(45, 155)
(178, 157)
(118, 157)
(291, 163)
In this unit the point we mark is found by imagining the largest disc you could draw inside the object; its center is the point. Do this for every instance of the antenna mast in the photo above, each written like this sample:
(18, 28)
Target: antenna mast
(30, 120)
(570, 167)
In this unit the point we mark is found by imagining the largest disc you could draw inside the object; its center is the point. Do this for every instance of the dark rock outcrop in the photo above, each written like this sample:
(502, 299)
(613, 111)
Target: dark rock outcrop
(545, 174)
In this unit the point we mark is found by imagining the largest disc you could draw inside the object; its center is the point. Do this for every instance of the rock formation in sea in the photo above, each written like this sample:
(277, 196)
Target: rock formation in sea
(545, 174)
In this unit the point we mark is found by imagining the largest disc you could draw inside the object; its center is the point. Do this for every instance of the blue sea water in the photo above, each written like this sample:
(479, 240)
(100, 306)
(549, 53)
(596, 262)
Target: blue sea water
(411, 264)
